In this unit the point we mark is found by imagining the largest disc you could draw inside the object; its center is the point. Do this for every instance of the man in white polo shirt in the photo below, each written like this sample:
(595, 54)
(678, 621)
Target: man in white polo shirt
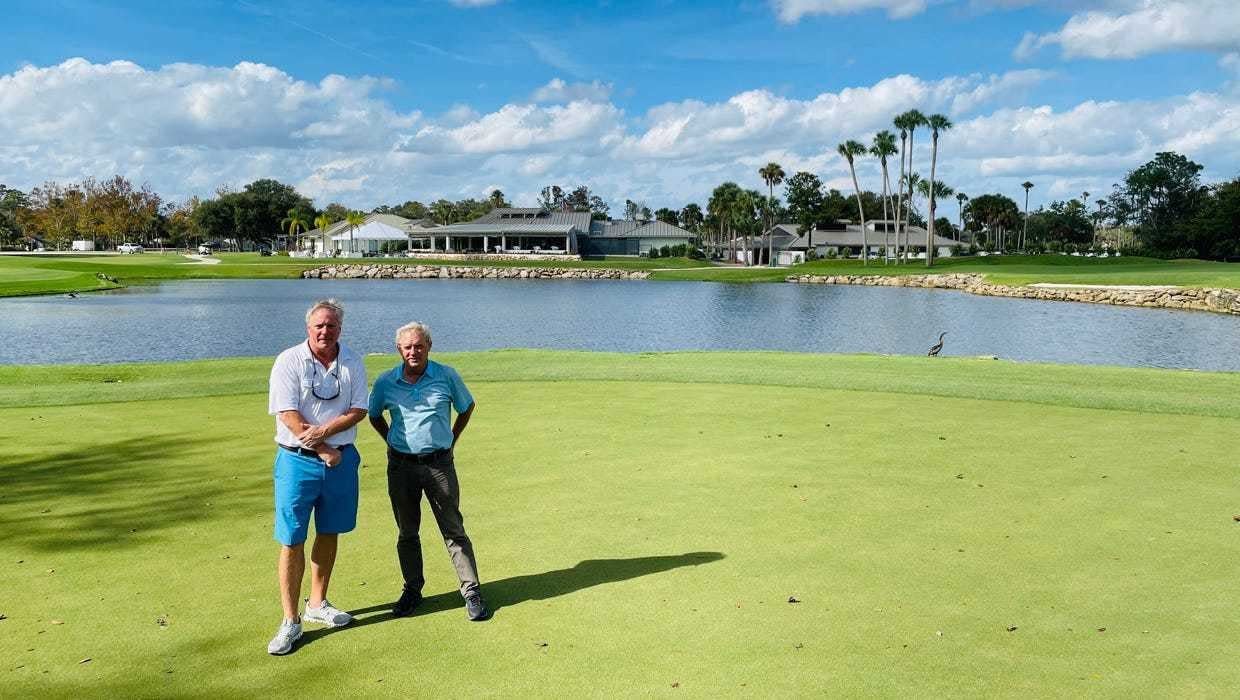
(318, 395)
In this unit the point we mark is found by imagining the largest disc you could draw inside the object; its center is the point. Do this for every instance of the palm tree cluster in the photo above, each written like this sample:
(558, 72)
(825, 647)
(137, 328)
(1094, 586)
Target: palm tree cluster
(910, 183)
(739, 212)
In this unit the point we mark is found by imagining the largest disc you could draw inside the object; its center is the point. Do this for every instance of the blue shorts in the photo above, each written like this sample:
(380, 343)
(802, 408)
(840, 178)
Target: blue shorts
(303, 484)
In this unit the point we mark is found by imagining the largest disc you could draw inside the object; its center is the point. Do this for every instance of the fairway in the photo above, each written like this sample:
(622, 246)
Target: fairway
(739, 524)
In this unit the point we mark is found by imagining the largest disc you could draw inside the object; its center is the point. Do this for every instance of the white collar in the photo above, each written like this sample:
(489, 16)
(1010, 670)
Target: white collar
(343, 353)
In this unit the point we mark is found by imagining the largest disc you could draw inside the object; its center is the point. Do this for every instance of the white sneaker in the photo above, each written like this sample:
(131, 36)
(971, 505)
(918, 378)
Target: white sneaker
(282, 643)
(326, 614)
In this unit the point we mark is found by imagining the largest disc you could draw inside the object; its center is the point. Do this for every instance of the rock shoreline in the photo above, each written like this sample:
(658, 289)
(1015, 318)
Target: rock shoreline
(1225, 301)
(468, 272)
(1218, 300)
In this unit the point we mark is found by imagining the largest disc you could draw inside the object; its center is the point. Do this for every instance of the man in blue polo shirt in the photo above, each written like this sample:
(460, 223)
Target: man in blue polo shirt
(419, 395)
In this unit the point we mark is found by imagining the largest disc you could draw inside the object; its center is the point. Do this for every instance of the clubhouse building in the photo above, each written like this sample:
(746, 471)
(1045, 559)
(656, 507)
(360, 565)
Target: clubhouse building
(505, 231)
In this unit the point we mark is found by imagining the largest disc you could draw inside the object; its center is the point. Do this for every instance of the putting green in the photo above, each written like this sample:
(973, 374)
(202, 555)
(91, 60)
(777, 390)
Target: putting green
(642, 522)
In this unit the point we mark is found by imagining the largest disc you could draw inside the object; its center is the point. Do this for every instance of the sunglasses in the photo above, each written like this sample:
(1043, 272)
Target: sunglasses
(320, 382)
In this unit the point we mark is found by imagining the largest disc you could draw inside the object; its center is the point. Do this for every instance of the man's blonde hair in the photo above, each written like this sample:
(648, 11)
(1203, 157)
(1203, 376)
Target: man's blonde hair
(414, 327)
(331, 305)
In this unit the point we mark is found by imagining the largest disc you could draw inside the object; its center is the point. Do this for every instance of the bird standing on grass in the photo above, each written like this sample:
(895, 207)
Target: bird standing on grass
(934, 350)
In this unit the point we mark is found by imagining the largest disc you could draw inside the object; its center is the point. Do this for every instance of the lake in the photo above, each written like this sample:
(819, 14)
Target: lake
(202, 319)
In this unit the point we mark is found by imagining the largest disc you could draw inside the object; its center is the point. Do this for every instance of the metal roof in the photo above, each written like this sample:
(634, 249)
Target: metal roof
(637, 229)
(518, 221)
(474, 228)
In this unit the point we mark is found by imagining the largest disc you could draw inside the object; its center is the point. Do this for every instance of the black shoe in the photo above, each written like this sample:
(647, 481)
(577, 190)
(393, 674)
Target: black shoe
(409, 600)
(476, 607)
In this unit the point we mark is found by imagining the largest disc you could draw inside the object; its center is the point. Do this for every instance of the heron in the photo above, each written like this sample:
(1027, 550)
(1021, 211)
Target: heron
(934, 350)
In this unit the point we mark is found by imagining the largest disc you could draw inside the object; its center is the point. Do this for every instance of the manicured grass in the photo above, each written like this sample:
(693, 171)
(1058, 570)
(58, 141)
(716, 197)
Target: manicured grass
(948, 526)
(57, 274)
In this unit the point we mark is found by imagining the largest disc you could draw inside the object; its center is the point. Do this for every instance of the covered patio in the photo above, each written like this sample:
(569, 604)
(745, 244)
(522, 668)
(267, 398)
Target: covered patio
(496, 238)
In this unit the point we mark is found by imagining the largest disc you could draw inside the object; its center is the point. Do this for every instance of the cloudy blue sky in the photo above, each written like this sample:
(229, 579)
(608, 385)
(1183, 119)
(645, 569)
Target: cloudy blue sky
(367, 103)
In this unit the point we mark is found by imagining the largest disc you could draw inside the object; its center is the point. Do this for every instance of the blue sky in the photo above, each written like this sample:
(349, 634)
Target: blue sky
(652, 100)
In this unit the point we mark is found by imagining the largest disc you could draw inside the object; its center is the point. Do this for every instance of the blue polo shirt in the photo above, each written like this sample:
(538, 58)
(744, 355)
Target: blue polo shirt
(421, 413)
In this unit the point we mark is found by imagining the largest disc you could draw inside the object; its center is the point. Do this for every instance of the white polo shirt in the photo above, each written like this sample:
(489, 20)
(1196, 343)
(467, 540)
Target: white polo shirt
(297, 377)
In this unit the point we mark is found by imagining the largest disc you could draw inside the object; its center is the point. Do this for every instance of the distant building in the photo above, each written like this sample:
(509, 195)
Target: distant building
(632, 237)
(535, 230)
(511, 230)
(843, 239)
(367, 238)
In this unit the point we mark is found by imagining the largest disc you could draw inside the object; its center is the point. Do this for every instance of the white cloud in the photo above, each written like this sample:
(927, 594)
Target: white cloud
(1133, 29)
(997, 87)
(559, 91)
(248, 105)
(474, 3)
(791, 11)
(187, 129)
(517, 127)
(759, 117)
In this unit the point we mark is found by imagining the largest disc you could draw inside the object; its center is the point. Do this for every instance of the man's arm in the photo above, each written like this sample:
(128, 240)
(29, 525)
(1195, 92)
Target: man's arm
(294, 421)
(314, 435)
(380, 425)
(462, 420)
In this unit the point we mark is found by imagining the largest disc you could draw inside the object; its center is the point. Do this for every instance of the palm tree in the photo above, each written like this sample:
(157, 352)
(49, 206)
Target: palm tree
(721, 205)
(293, 222)
(355, 219)
(1024, 234)
(850, 150)
(321, 222)
(941, 189)
(773, 175)
(691, 217)
(1098, 218)
(912, 120)
(1085, 205)
(742, 217)
(901, 123)
(960, 197)
(913, 182)
(938, 124)
(885, 145)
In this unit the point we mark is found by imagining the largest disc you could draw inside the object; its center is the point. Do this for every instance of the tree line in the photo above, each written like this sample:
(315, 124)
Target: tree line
(1160, 208)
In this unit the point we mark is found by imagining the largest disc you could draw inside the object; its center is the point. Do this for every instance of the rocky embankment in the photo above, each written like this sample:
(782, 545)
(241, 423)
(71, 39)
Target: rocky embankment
(406, 272)
(1225, 301)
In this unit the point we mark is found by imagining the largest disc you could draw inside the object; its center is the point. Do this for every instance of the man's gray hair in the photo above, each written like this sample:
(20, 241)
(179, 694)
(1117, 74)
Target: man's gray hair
(331, 305)
(414, 327)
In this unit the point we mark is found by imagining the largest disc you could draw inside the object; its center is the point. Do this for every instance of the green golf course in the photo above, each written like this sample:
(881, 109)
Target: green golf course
(58, 274)
(760, 524)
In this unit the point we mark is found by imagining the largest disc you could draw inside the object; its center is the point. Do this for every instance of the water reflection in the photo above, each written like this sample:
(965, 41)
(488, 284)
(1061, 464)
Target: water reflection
(196, 319)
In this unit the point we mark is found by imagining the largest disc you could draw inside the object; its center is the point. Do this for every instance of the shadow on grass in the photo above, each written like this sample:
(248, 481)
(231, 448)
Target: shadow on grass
(519, 589)
(109, 494)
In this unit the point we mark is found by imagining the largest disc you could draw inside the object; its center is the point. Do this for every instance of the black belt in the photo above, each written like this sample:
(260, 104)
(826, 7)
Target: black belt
(421, 458)
(305, 452)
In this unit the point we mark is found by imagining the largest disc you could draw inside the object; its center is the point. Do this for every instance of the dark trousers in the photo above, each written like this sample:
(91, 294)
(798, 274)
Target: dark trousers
(408, 477)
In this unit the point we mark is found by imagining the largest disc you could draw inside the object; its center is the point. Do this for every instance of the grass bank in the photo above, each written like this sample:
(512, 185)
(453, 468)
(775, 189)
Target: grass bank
(21, 275)
(1010, 269)
(642, 521)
